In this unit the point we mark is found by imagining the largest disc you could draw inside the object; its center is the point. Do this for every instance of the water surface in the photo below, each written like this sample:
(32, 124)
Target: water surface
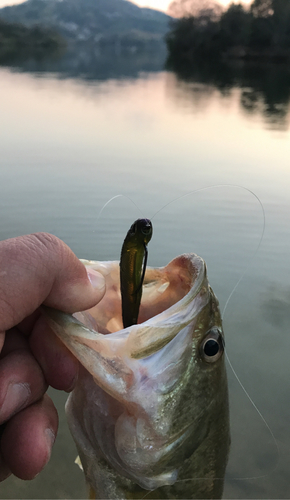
(71, 142)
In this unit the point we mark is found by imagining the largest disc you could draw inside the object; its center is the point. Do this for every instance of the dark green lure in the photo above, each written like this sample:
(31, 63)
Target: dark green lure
(133, 263)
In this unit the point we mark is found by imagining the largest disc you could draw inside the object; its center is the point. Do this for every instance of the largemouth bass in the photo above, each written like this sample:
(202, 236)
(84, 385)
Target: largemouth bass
(149, 414)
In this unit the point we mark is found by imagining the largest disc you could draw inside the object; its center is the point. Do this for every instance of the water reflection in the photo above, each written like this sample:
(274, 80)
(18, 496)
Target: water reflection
(89, 62)
(265, 89)
(276, 306)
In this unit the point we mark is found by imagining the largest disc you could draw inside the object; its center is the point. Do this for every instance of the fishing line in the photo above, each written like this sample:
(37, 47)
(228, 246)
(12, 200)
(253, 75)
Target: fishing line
(255, 251)
(226, 303)
(263, 420)
(108, 202)
(114, 198)
(260, 239)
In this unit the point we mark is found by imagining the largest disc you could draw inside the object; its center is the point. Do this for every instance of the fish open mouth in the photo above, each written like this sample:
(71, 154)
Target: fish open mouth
(167, 292)
(163, 287)
(172, 299)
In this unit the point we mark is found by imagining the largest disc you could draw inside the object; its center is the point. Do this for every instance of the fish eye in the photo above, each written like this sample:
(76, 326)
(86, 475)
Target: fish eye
(212, 346)
(145, 226)
(146, 229)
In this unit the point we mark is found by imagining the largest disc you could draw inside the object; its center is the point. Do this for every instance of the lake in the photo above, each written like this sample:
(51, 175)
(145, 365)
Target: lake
(205, 154)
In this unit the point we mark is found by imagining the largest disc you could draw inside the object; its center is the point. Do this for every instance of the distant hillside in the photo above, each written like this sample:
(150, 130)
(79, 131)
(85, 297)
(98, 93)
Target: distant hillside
(98, 21)
(18, 41)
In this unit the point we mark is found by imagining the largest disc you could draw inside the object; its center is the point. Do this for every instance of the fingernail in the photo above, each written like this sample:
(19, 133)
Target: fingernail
(97, 279)
(17, 396)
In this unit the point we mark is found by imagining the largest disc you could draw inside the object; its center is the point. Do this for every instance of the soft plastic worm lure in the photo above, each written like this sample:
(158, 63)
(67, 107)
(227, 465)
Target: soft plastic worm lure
(133, 262)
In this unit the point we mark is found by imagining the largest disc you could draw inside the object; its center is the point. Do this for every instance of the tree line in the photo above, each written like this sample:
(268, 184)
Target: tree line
(261, 31)
(17, 40)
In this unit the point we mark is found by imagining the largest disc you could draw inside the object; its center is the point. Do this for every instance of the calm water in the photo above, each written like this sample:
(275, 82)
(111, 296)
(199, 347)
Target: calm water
(70, 141)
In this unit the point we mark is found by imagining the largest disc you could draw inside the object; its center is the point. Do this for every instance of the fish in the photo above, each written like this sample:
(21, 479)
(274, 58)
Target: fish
(150, 413)
(133, 263)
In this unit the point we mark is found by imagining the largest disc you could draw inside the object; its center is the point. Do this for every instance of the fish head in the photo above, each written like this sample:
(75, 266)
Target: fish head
(139, 233)
(151, 395)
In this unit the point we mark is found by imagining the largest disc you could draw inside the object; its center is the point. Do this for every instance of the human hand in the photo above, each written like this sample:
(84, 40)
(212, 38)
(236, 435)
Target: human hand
(36, 269)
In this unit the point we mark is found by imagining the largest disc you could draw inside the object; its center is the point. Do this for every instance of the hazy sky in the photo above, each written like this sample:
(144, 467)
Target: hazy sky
(163, 4)
(155, 4)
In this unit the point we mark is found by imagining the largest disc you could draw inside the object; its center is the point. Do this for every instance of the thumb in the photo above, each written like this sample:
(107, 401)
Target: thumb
(38, 269)
(71, 294)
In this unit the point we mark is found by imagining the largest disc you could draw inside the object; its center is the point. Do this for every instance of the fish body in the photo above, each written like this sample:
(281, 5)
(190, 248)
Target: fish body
(149, 414)
(132, 269)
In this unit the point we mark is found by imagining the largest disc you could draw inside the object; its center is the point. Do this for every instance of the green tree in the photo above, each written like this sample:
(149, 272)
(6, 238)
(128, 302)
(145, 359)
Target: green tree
(235, 25)
(190, 38)
(263, 31)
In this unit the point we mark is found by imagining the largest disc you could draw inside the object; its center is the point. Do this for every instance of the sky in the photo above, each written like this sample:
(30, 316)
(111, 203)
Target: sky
(154, 4)
(163, 4)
